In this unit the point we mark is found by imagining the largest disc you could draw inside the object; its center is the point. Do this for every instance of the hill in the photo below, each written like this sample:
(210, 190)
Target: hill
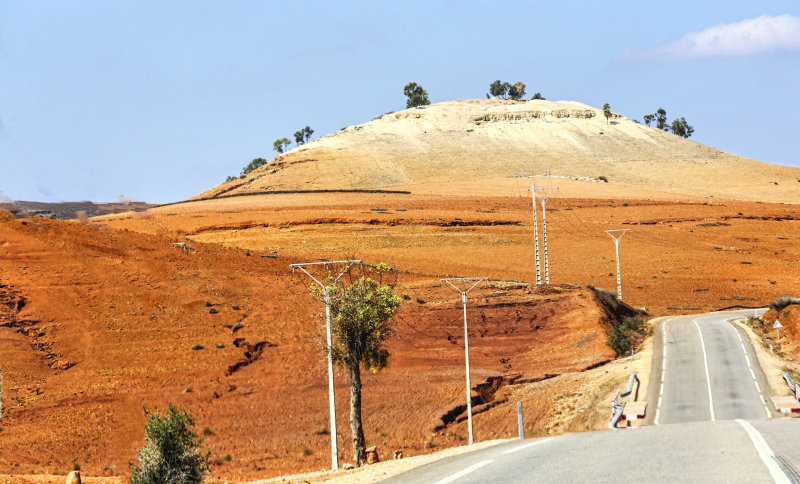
(492, 138)
(96, 323)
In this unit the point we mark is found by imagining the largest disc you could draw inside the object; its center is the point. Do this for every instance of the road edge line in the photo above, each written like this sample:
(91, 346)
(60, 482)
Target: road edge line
(764, 452)
(464, 472)
(525, 446)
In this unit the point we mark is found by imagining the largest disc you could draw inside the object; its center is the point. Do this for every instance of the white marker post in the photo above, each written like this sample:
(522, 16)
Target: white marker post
(777, 327)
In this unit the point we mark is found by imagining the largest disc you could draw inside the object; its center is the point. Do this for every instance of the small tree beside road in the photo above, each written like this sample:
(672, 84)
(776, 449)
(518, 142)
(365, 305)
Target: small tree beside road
(171, 453)
(362, 313)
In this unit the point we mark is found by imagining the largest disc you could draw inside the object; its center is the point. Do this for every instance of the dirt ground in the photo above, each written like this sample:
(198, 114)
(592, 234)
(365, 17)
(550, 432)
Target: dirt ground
(99, 320)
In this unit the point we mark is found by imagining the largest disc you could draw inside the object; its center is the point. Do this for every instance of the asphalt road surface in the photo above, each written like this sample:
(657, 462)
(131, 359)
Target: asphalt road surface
(708, 422)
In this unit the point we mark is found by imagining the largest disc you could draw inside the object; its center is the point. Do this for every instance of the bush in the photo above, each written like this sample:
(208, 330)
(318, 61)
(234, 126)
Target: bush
(626, 334)
(782, 302)
(197, 346)
(171, 453)
(213, 311)
(236, 327)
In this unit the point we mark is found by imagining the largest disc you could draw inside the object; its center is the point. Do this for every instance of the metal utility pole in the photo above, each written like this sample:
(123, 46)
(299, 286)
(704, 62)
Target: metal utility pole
(547, 193)
(475, 281)
(534, 176)
(326, 291)
(617, 235)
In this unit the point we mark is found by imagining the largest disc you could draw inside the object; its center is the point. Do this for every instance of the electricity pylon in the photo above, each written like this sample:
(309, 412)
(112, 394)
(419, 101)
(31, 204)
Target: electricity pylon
(534, 176)
(543, 199)
(326, 292)
(613, 234)
(475, 280)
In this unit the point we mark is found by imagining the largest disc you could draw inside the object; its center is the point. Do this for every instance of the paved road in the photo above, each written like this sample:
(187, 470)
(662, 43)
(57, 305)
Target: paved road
(704, 368)
(710, 425)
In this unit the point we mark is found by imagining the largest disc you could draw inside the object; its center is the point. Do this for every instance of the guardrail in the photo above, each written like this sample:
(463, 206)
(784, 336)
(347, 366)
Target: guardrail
(617, 406)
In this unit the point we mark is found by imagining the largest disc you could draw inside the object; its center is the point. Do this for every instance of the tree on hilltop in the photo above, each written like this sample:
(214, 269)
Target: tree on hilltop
(299, 136)
(281, 144)
(681, 127)
(661, 119)
(256, 163)
(648, 118)
(498, 89)
(607, 111)
(307, 132)
(538, 95)
(362, 313)
(417, 96)
(517, 91)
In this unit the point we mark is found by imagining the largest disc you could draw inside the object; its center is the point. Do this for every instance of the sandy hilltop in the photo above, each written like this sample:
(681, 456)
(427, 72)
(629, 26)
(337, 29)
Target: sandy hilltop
(478, 139)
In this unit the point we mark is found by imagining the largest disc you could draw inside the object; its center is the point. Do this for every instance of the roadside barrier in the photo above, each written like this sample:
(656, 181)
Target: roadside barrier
(618, 405)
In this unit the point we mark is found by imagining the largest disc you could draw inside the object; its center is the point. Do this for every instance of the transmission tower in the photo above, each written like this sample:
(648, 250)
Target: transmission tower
(617, 235)
(543, 199)
(535, 175)
(326, 291)
(465, 281)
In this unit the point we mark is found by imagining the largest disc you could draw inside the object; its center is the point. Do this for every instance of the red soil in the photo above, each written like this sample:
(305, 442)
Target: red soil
(97, 323)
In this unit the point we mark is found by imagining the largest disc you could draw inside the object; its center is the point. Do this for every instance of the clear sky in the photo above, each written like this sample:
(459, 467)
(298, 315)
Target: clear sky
(160, 100)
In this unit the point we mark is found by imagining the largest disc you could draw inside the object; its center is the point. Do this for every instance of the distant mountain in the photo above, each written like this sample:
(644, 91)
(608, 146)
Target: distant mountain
(71, 210)
(489, 138)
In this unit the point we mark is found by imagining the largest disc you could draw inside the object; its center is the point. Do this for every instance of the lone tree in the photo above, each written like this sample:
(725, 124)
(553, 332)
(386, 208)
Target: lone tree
(607, 111)
(362, 313)
(307, 132)
(280, 144)
(538, 95)
(681, 127)
(417, 96)
(648, 118)
(256, 163)
(661, 119)
(171, 453)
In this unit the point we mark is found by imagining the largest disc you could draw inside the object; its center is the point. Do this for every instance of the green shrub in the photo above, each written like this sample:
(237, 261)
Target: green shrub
(626, 334)
(220, 345)
(207, 431)
(197, 346)
(213, 311)
(307, 451)
(236, 327)
(171, 452)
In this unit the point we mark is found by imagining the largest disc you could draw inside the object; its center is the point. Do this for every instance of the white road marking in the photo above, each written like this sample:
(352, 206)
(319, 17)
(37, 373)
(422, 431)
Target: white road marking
(755, 380)
(708, 377)
(663, 368)
(525, 446)
(463, 473)
(766, 454)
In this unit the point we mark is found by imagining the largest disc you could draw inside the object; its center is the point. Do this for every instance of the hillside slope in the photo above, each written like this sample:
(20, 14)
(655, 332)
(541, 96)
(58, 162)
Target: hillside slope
(490, 138)
(96, 323)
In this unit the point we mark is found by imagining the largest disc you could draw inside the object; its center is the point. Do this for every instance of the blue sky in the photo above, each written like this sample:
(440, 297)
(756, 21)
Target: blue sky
(160, 100)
